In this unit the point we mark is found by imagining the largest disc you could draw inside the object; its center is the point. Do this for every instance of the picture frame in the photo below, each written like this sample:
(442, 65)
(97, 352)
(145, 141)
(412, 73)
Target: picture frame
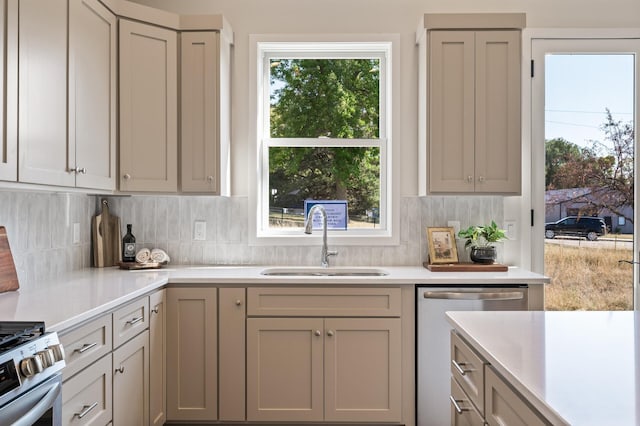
(442, 245)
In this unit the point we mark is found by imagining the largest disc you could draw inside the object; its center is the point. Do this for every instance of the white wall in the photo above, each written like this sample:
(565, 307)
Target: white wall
(375, 16)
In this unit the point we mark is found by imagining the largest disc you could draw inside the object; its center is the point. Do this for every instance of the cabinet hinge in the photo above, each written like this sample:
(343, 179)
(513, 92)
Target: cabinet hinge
(532, 68)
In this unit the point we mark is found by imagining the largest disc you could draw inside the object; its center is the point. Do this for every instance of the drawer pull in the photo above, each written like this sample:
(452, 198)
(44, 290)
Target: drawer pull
(458, 408)
(85, 410)
(86, 347)
(458, 367)
(135, 320)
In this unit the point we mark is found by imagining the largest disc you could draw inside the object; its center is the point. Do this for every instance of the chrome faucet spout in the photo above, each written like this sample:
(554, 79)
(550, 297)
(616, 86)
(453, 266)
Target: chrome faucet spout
(308, 229)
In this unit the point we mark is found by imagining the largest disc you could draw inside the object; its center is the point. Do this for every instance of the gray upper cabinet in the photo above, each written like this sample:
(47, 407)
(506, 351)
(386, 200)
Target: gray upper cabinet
(148, 108)
(92, 93)
(204, 113)
(42, 90)
(66, 89)
(470, 104)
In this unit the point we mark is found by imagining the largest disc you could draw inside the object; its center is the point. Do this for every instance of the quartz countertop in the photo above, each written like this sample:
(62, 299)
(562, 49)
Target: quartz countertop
(578, 368)
(80, 295)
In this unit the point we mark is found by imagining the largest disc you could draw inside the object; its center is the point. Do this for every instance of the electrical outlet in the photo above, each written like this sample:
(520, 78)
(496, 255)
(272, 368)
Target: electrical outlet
(200, 230)
(455, 224)
(511, 229)
(76, 233)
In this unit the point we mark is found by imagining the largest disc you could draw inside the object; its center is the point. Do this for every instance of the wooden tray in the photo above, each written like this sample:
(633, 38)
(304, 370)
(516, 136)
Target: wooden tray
(465, 267)
(136, 265)
(8, 275)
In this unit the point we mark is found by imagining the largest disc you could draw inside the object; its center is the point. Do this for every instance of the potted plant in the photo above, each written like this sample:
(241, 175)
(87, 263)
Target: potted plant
(480, 239)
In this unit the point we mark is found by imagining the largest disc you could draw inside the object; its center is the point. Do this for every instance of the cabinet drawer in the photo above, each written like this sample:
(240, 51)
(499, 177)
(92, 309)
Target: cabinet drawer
(468, 370)
(86, 344)
(130, 320)
(505, 406)
(316, 302)
(463, 412)
(86, 398)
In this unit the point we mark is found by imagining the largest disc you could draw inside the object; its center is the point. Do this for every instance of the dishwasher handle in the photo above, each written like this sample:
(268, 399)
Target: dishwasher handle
(475, 295)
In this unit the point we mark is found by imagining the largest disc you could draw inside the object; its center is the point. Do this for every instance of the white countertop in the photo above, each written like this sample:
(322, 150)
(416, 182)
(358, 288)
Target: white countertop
(78, 296)
(578, 368)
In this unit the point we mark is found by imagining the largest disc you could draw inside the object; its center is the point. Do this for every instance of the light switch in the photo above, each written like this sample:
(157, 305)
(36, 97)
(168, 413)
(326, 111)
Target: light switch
(455, 224)
(200, 230)
(511, 229)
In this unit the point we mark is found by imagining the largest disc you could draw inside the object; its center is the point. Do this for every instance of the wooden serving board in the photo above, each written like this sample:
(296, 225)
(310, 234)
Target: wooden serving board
(466, 267)
(8, 275)
(105, 236)
(136, 265)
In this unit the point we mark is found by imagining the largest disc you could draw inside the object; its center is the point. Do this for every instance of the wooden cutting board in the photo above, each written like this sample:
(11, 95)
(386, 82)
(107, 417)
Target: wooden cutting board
(8, 275)
(105, 234)
(466, 267)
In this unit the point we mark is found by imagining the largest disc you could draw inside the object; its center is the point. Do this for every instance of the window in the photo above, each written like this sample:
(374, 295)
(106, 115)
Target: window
(323, 135)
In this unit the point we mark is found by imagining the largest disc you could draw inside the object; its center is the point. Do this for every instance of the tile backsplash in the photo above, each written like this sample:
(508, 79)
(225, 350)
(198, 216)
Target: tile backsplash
(40, 229)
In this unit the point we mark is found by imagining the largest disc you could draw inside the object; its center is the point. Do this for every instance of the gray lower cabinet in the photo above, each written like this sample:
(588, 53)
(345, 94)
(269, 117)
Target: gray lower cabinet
(131, 382)
(479, 395)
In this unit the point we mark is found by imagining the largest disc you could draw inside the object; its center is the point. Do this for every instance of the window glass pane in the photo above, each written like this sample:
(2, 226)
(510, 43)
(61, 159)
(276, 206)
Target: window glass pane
(324, 173)
(333, 98)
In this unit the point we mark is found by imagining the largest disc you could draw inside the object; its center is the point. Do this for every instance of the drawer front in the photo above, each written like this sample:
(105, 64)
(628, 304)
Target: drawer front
(321, 302)
(463, 412)
(86, 398)
(130, 320)
(468, 370)
(505, 406)
(86, 344)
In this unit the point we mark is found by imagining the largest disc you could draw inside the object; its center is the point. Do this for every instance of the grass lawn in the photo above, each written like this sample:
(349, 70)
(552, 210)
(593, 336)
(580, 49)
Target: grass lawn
(587, 278)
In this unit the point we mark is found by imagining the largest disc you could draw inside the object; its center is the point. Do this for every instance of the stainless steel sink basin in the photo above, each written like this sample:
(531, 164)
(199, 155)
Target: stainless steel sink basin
(324, 272)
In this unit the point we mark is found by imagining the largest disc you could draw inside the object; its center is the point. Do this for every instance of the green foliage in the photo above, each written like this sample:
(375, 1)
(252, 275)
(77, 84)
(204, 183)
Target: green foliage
(325, 98)
(482, 236)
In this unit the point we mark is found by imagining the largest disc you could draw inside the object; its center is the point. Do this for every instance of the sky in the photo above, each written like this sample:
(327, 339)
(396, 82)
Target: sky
(578, 89)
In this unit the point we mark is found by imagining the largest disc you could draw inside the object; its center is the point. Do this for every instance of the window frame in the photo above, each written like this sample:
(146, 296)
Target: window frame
(267, 47)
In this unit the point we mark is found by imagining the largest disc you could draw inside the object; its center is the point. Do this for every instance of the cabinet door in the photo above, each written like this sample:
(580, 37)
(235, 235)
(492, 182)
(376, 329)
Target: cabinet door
(199, 116)
(148, 108)
(363, 370)
(497, 106)
(131, 382)
(8, 90)
(157, 350)
(86, 397)
(451, 111)
(92, 93)
(232, 305)
(284, 369)
(505, 407)
(192, 363)
(44, 156)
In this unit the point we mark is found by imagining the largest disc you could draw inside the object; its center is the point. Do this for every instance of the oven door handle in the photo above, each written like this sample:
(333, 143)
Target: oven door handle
(474, 295)
(41, 407)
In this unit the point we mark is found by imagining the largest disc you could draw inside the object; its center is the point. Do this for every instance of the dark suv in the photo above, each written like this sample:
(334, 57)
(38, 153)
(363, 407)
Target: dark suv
(579, 226)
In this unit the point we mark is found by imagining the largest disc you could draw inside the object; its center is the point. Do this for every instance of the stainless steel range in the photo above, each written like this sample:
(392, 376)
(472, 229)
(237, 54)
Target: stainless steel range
(30, 378)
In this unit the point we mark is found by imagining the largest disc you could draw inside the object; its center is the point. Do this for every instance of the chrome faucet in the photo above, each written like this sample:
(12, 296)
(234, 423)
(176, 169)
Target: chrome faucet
(308, 227)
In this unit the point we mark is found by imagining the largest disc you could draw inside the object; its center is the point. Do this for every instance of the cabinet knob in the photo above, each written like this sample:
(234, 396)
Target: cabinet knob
(209, 178)
(77, 170)
(126, 176)
(330, 333)
(155, 310)
(120, 370)
(317, 333)
(238, 302)
(469, 178)
(481, 179)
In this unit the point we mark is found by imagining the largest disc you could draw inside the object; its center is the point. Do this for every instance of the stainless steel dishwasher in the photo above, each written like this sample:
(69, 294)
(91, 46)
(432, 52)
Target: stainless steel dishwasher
(433, 358)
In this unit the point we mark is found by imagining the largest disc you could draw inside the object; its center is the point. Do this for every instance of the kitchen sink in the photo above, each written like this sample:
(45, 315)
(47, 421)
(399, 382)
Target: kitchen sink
(295, 271)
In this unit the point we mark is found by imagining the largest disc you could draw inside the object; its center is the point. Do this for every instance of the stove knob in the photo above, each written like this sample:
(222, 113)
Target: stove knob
(58, 352)
(47, 358)
(31, 366)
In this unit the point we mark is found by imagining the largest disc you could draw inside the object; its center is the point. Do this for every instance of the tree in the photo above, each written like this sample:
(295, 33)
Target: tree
(606, 170)
(325, 98)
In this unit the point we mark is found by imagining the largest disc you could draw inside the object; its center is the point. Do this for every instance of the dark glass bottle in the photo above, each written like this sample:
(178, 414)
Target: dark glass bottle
(129, 246)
